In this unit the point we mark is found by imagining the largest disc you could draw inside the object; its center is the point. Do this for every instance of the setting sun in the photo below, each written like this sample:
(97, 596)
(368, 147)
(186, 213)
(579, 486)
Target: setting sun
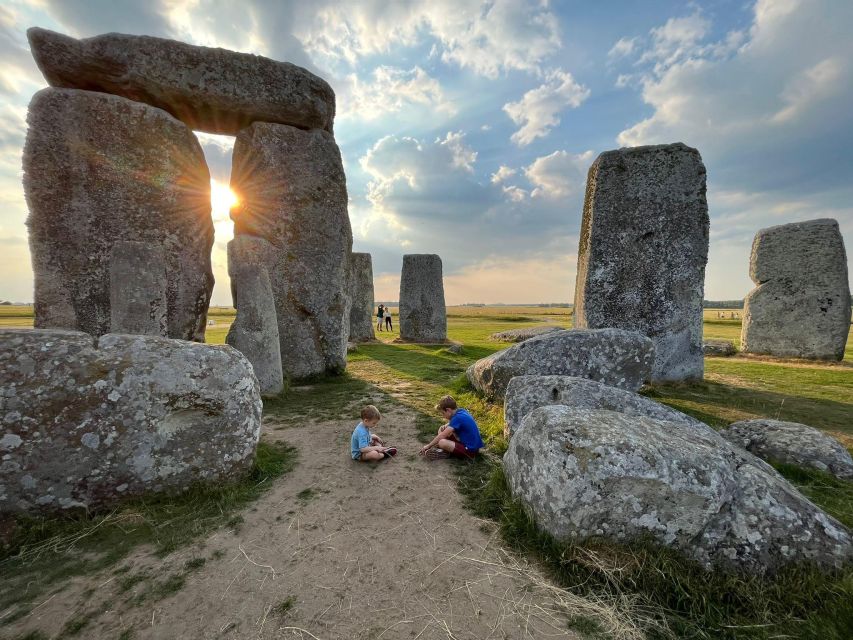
(221, 200)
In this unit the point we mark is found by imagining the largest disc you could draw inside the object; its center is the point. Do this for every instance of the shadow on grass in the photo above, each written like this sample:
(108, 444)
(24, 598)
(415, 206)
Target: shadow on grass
(44, 552)
(719, 404)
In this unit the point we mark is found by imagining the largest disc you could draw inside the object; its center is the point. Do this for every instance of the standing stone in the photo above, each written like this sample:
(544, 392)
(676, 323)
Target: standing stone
(98, 170)
(800, 307)
(293, 212)
(212, 90)
(91, 422)
(361, 290)
(254, 332)
(423, 316)
(643, 250)
(138, 286)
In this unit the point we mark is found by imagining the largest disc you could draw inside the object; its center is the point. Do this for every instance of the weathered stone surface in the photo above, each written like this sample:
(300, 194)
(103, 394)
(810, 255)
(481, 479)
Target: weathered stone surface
(254, 332)
(423, 316)
(213, 90)
(718, 348)
(643, 250)
(791, 442)
(800, 307)
(92, 421)
(526, 393)
(138, 285)
(293, 218)
(520, 335)
(586, 473)
(615, 357)
(98, 170)
(361, 291)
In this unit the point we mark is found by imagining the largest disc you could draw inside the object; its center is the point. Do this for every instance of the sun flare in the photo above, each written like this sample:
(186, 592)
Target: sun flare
(221, 200)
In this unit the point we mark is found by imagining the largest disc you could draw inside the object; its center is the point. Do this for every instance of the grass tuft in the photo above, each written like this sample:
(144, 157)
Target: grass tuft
(285, 606)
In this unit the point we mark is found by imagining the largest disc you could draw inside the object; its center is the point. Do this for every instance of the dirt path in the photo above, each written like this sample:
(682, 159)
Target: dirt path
(359, 551)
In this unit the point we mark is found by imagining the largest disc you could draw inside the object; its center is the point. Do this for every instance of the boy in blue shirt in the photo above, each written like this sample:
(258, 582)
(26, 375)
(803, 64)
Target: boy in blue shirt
(460, 437)
(366, 446)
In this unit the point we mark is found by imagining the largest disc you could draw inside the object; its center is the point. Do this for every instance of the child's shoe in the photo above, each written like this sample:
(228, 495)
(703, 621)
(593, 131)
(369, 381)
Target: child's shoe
(390, 452)
(436, 454)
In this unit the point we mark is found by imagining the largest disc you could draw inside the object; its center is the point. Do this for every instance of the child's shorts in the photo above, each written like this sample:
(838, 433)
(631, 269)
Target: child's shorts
(460, 451)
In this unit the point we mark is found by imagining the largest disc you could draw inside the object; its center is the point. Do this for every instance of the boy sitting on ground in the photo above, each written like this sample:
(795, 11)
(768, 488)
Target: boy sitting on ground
(459, 437)
(367, 446)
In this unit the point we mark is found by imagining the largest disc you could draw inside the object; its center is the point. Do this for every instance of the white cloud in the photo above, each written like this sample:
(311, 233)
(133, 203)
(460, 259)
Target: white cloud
(502, 174)
(676, 40)
(486, 37)
(514, 193)
(538, 109)
(391, 90)
(559, 174)
(767, 99)
(623, 47)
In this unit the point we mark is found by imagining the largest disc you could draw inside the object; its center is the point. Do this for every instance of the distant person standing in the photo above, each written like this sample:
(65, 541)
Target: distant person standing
(380, 313)
(388, 324)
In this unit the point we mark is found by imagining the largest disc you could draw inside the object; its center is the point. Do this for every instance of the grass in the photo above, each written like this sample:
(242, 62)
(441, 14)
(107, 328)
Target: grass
(45, 552)
(285, 606)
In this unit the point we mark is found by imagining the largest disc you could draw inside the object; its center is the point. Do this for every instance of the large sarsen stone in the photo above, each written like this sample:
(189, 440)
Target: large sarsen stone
(99, 170)
(138, 284)
(585, 473)
(800, 307)
(791, 442)
(643, 250)
(361, 291)
(526, 393)
(615, 357)
(423, 315)
(213, 90)
(92, 421)
(254, 332)
(293, 212)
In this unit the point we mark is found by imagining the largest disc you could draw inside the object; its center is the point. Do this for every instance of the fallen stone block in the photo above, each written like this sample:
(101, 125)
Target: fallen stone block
(90, 422)
(526, 393)
(615, 357)
(791, 442)
(595, 473)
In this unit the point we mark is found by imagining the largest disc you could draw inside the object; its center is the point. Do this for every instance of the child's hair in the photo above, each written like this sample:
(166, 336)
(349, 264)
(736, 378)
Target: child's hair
(447, 402)
(370, 413)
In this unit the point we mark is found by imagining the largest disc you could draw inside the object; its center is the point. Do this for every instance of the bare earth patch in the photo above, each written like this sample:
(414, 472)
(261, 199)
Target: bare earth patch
(336, 549)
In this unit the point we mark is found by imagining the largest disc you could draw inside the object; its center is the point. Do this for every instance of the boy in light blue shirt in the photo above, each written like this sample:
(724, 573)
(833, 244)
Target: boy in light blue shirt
(366, 446)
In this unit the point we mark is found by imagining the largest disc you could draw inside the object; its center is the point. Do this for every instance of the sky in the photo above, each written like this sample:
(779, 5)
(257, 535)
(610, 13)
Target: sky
(467, 127)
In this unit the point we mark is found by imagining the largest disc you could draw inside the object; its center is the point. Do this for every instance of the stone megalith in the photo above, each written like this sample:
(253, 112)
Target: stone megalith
(423, 316)
(138, 286)
(213, 90)
(613, 356)
(595, 473)
(95, 421)
(361, 290)
(643, 250)
(792, 443)
(101, 169)
(293, 204)
(526, 393)
(800, 307)
(254, 332)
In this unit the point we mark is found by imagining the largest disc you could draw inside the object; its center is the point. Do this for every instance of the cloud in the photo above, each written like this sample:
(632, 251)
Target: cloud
(392, 90)
(502, 174)
(86, 18)
(623, 47)
(486, 37)
(768, 116)
(538, 109)
(558, 175)
(675, 40)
